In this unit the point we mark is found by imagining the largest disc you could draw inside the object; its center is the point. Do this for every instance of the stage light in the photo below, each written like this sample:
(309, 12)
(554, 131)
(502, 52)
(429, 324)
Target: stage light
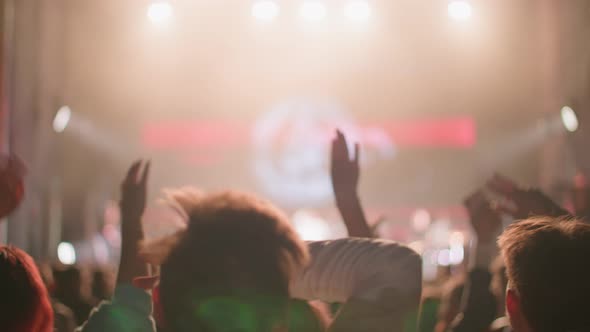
(358, 10)
(569, 119)
(456, 254)
(444, 258)
(460, 10)
(457, 238)
(265, 10)
(421, 220)
(66, 253)
(310, 227)
(62, 119)
(313, 10)
(160, 12)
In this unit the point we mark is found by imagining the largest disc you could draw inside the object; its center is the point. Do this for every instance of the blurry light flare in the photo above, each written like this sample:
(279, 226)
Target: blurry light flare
(456, 254)
(66, 253)
(460, 10)
(432, 257)
(456, 238)
(429, 270)
(310, 227)
(265, 10)
(313, 10)
(160, 12)
(444, 258)
(421, 220)
(569, 119)
(62, 119)
(358, 10)
(438, 233)
(112, 235)
(417, 246)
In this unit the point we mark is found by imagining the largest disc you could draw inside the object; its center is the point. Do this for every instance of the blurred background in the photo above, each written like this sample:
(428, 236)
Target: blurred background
(246, 94)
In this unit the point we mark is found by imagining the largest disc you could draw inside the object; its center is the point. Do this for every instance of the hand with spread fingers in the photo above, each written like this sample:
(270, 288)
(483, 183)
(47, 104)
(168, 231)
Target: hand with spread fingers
(523, 203)
(134, 192)
(344, 172)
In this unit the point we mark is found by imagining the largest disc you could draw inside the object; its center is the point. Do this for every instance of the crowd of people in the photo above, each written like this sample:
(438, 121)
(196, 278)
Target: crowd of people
(239, 265)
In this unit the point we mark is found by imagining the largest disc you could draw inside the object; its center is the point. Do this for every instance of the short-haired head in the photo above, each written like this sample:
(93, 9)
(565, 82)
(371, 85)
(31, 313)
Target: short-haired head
(548, 274)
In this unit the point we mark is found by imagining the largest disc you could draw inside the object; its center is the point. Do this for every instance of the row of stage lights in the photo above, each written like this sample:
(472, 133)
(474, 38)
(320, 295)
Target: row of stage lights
(568, 116)
(309, 10)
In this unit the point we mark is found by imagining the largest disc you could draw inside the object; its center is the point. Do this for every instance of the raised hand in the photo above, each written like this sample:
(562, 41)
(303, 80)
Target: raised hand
(134, 192)
(523, 203)
(344, 170)
(133, 202)
(484, 220)
(345, 177)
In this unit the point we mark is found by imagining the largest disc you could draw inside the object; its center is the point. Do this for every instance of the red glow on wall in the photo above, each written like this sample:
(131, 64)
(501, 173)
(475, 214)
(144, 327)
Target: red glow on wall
(454, 133)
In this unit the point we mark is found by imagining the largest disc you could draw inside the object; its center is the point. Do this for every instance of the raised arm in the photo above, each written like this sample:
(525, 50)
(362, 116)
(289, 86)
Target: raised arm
(131, 307)
(345, 177)
(133, 201)
(523, 203)
(479, 309)
(378, 281)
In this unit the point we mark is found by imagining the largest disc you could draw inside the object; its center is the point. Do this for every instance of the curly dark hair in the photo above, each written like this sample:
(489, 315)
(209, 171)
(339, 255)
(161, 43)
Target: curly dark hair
(231, 267)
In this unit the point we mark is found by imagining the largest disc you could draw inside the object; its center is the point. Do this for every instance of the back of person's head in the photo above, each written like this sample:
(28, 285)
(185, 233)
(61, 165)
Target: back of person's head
(24, 302)
(230, 269)
(548, 274)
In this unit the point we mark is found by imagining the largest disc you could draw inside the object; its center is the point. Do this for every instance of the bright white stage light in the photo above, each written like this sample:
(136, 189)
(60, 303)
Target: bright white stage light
(160, 12)
(456, 254)
(313, 10)
(66, 253)
(62, 118)
(444, 258)
(265, 10)
(357, 10)
(460, 10)
(310, 227)
(569, 119)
